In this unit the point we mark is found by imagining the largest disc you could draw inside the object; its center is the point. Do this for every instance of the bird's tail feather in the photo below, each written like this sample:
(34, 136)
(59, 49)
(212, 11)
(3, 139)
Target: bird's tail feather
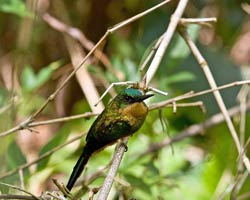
(78, 168)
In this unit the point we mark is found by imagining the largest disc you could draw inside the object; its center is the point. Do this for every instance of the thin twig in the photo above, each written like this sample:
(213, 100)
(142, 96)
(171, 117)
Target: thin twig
(134, 18)
(200, 59)
(30, 119)
(165, 42)
(56, 196)
(244, 196)
(77, 54)
(151, 53)
(242, 98)
(60, 187)
(63, 119)
(240, 180)
(114, 167)
(192, 94)
(246, 7)
(45, 122)
(12, 102)
(48, 153)
(16, 196)
(152, 107)
(20, 172)
(221, 192)
(200, 21)
(78, 35)
(87, 181)
(20, 189)
(193, 130)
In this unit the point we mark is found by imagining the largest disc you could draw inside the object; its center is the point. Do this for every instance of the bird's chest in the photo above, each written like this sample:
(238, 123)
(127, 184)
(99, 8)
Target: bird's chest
(135, 114)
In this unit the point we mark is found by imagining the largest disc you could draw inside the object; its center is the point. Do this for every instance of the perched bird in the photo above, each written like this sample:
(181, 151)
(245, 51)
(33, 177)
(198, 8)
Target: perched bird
(123, 116)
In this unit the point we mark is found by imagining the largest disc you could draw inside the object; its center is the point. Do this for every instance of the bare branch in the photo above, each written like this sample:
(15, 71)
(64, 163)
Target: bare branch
(30, 119)
(200, 59)
(192, 94)
(154, 106)
(200, 21)
(16, 196)
(193, 130)
(22, 190)
(138, 16)
(105, 189)
(48, 153)
(165, 41)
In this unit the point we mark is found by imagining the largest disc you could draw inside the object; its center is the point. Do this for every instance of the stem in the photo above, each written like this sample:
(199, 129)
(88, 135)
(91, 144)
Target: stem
(200, 59)
(106, 187)
(165, 42)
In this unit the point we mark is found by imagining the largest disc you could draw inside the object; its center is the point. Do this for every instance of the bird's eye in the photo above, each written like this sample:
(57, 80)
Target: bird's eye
(128, 99)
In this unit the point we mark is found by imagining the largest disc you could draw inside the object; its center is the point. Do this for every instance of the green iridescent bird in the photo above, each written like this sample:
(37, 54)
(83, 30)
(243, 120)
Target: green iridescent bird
(123, 116)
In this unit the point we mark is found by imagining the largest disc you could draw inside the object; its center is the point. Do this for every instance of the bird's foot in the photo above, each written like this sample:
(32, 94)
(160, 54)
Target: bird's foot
(125, 146)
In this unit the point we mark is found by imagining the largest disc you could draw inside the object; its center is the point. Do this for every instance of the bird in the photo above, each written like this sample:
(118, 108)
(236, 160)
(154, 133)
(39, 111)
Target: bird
(122, 117)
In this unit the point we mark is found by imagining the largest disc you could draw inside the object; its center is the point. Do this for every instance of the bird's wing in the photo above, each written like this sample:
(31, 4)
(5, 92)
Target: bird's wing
(107, 134)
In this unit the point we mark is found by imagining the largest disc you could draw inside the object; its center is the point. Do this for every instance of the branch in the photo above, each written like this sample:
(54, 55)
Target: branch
(189, 132)
(7, 196)
(242, 99)
(192, 94)
(162, 104)
(193, 130)
(134, 18)
(63, 119)
(204, 65)
(48, 153)
(78, 35)
(165, 42)
(16, 196)
(200, 21)
(105, 189)
(159, 105)
(30, 119)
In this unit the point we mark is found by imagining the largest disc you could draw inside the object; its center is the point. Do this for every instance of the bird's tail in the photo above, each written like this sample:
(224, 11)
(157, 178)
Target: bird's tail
(78, 168)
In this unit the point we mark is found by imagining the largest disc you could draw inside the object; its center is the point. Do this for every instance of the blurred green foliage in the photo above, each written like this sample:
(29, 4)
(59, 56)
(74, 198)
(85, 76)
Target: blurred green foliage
(30, 81)
(16, 7)
(200, 167)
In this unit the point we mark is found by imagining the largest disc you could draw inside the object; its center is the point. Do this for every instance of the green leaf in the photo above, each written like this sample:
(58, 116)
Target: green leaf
(45, 74)
(59, 138)
(131, 70)
(180, 49)
(14, 159)
(152, 169)
(181, 77)
(16, 7)
(15, 156)
(3, 96)
(138, 182)
(28, 79)
(31, 81)
(29, 104)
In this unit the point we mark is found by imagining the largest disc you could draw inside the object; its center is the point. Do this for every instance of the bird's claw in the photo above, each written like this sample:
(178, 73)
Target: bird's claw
(125, 146)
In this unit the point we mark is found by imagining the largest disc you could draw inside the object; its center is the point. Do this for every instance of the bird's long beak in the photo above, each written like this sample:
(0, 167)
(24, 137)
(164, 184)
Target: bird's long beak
(143, 97)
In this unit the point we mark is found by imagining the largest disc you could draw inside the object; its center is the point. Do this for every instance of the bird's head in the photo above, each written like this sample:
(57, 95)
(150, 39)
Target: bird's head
(130, 96)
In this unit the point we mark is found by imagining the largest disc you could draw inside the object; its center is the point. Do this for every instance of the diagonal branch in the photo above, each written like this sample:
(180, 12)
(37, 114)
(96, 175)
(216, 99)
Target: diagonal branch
(30, 119)
(48, 153)
(165, 42)
(204, 65)
(193, 130)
